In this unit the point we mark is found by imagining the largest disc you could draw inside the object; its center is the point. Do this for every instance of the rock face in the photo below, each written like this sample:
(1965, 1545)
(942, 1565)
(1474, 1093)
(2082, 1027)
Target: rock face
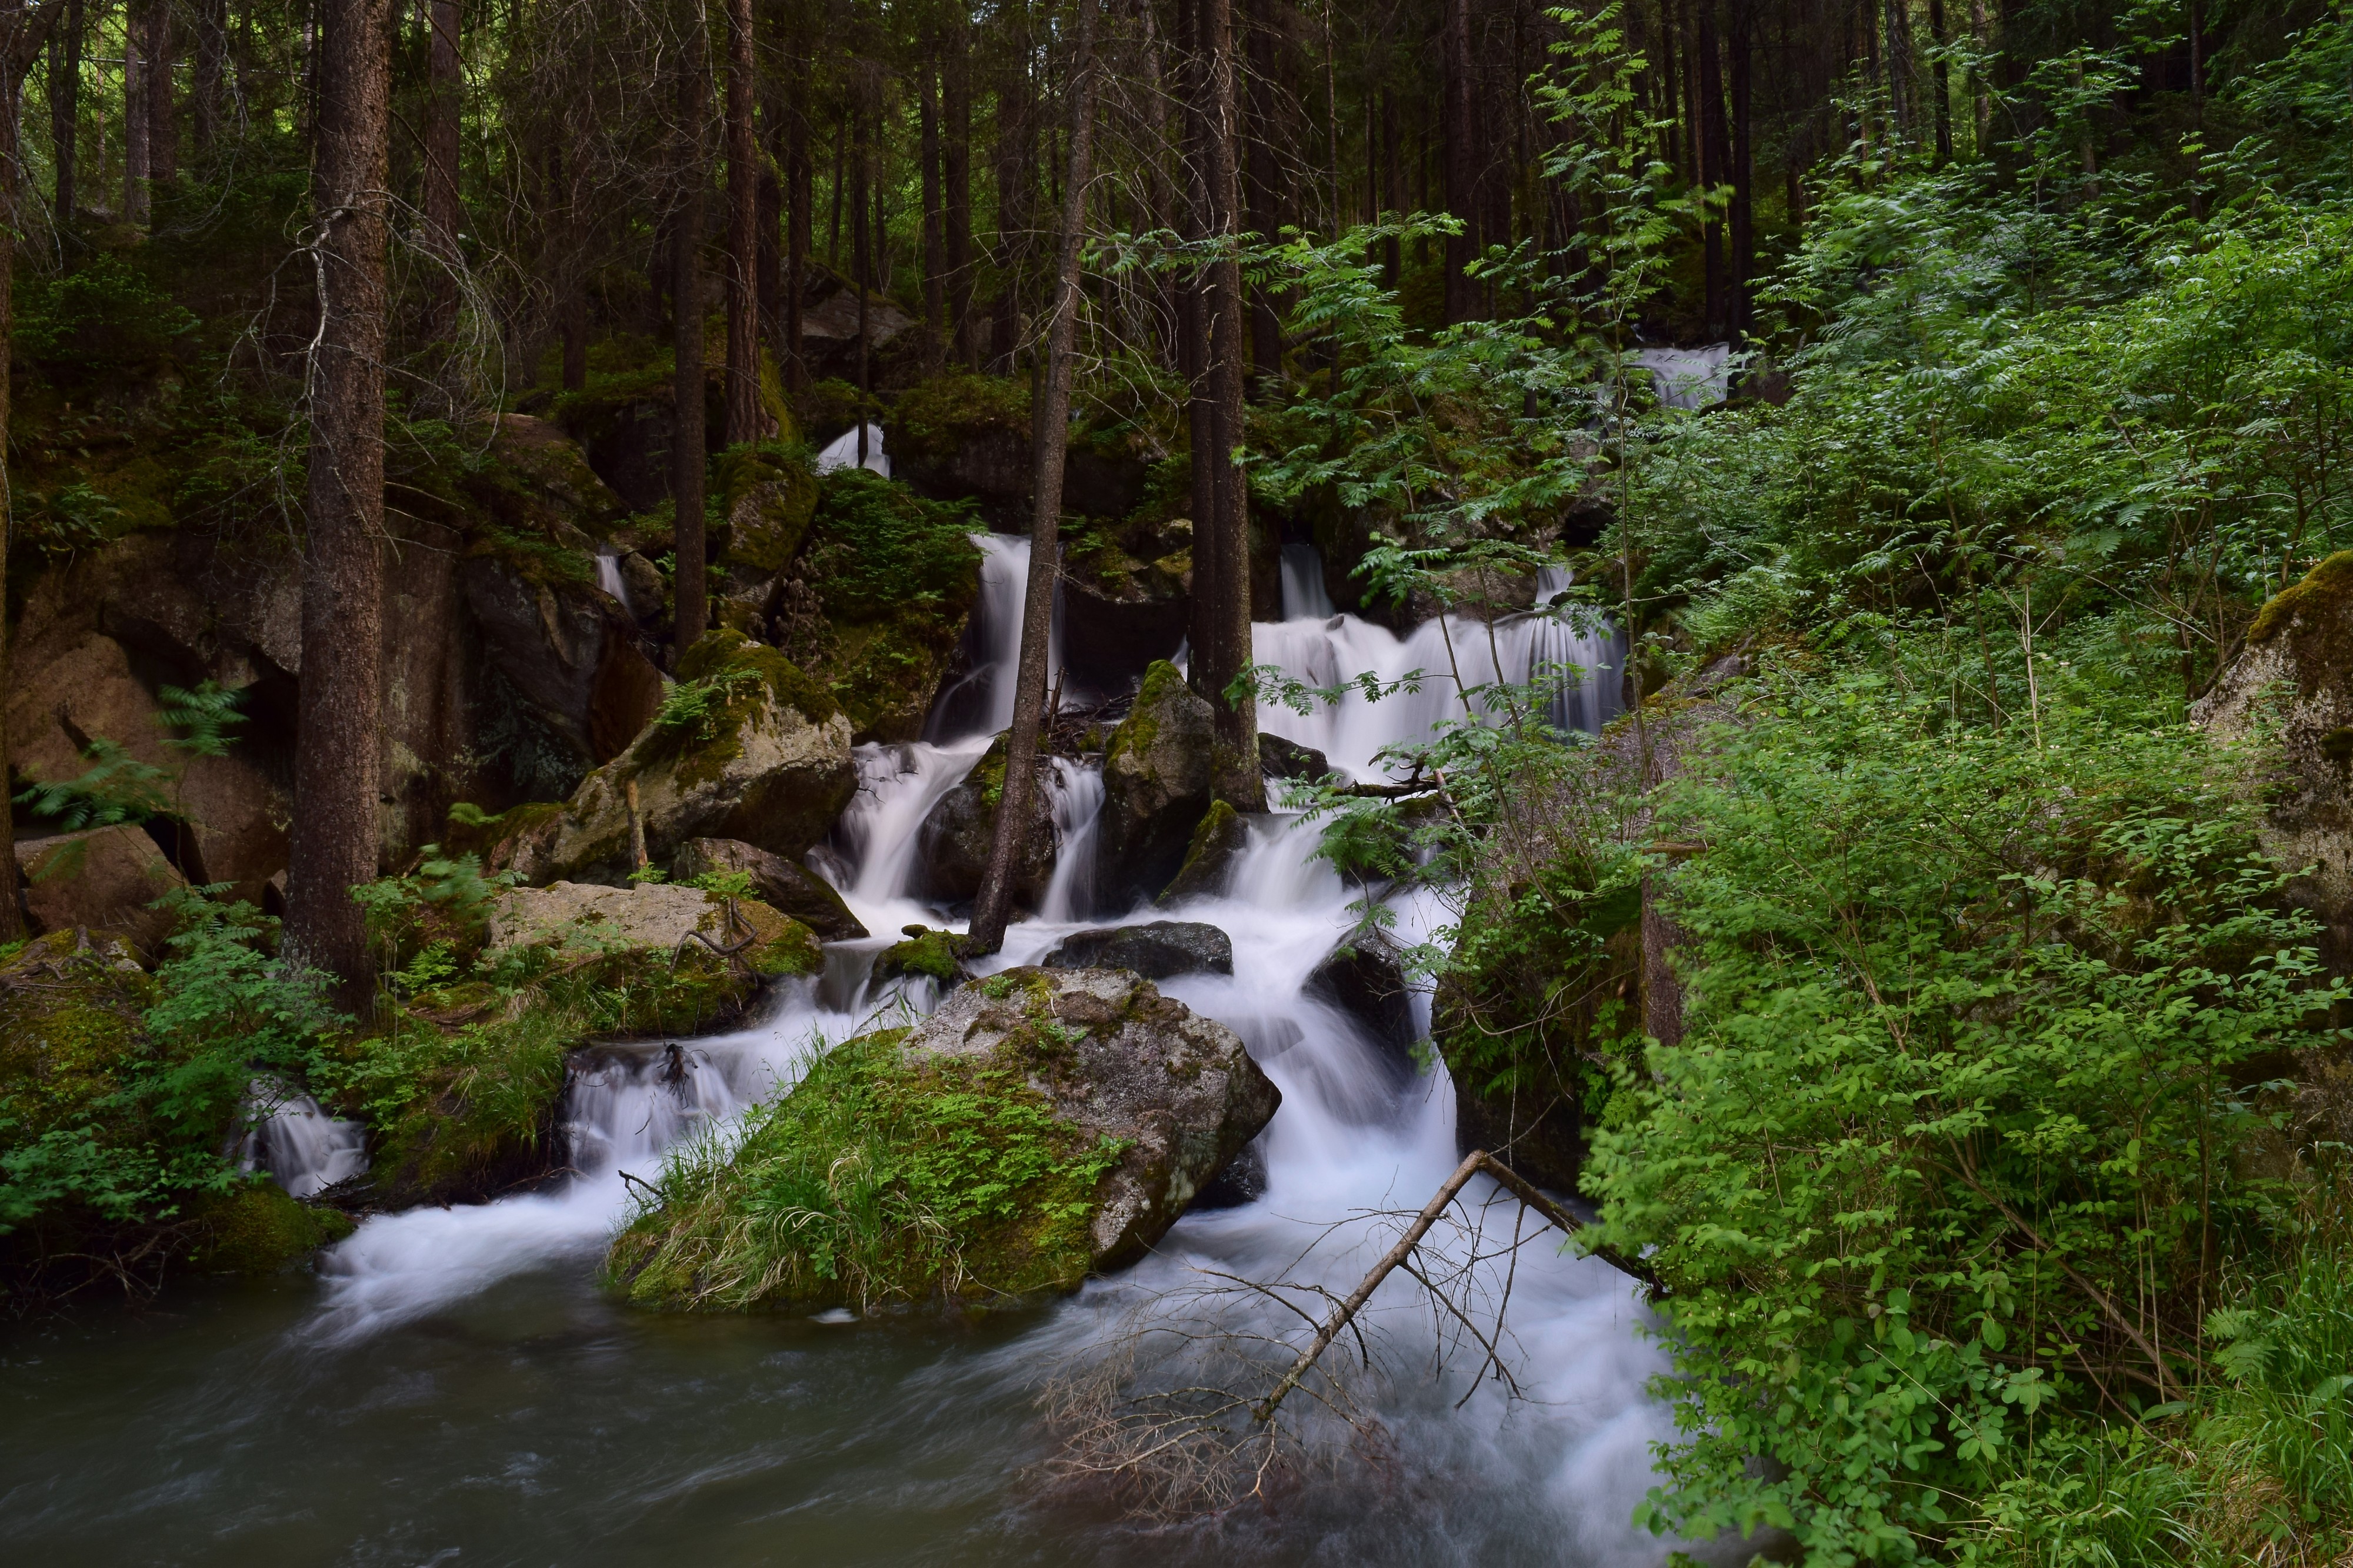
(104, 878)
(1177, 1088)
(2299, 654)
(733, 944)
(1127, 597)
(783, 885)
(568, 654)
(1365, 981)
(1158, 779)
(956, 836)
(1159, 950)
(766, 761)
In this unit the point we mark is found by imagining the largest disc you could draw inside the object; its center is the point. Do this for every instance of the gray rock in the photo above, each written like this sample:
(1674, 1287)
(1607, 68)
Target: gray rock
(1126, 601)
(1159, 950)
(1159, 776)
(1365, 981)
(103, 879)
(783, 885)
(957, 836)
(1219, 840)
(1178, 1089)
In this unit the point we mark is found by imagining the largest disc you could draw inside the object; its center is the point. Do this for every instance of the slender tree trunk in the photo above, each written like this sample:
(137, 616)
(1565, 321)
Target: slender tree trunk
(743, 233)
(799, 195)
(340, 705)
(1193, 345)
(1743, 167)
(1713, 171)
(23, 31)
(936, 260)
(445, 103)
(840, 152)
(1983, 93)
(577, 228)
(994, 905)
(768, 280)
(1235, 766)
(162, 121)
(65, 104)
(687, 434)
(1461, 134)
(1262, 188)
(1944, 82)
(135, 111)
(955, 172)
(861, 264)
(212, 70)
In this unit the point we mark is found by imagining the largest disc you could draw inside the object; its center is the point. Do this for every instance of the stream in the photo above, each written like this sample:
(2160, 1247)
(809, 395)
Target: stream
(451, 1386)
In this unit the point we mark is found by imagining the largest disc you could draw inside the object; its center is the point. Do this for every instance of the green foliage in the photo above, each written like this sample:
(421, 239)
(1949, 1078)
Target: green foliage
(117, 787)
(104, 315)
(877, 549)
(692, 709)
(876, 1178)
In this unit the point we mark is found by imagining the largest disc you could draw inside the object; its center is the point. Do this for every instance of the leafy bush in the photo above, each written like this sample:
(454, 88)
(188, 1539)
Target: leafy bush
(103, 315)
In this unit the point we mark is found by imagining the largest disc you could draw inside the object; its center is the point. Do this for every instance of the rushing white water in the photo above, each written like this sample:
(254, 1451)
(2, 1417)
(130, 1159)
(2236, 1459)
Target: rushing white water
(1360, 1129)
(1689, 378)
(841, 452)
(1303, 597)
(980, 702)
(299, 1143)
(609, 578)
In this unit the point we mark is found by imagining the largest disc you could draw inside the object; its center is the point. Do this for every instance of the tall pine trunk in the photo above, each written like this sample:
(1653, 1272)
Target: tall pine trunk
(65, 108)
(936, 260)
(1460, 132)
(743, 233)
(163, 120)
(444, 216)
(1228, 655)
(211, 75)
(955, 174)
(1713, 159)
(134, 111)
(688, 435)
(994, 905)
(340, 704)
(799, 195)
(1743, 171)
(23, 30)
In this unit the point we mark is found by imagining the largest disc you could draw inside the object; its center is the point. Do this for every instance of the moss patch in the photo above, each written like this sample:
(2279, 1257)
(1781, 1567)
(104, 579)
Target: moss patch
(2331, 579)
(932, 954)
(1141, 729)
(932, 418)
(258, 1229)
(876, 1179)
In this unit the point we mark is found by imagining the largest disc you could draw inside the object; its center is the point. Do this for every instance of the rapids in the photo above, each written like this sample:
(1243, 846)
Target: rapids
(452, 1388)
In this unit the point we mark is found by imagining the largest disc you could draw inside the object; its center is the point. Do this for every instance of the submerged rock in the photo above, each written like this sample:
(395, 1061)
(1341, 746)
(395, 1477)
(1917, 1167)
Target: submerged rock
(759, 754)
(783, 885)
(1160, 951)
(957, 836)
(1084, 1113)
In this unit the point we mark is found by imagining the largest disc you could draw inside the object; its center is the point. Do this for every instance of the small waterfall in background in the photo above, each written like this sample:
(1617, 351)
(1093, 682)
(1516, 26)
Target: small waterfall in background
(609, 578)
(841, 452)
(1688, 378)
(1303, 597)
(1078, 812)
(299, 1144)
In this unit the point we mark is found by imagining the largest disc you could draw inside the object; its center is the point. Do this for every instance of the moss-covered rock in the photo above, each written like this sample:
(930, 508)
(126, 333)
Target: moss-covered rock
(1217, 845)
(677, 960)
(256, 1229)
(786, 886)
(769, 498)
(70, 1005)
(1158, 782)
(1040, 1126)
(957, 838)
(936, 954)
(746, 747)
(1127, 597)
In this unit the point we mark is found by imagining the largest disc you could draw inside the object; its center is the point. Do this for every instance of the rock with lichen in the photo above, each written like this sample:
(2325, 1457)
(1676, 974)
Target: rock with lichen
(1162, 769)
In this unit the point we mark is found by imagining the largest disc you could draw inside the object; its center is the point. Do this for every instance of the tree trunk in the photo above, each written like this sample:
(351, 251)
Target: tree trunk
(687, 419)
(163, 122)
(1744, 170)
(1228, 655)
(340, 703)
(212, 69)
(1460, 134)
(1944, 83)
(135, 111)
(743, 233)
(768, 276)
(23, 31)
(798, 195)
(955, 169)
(1714, 168)
(1982, 95)
(1263, 185)
(1193, 344)
(64, 103)
(860, 261)
(444, 217)
(994, 905)
(935, 262)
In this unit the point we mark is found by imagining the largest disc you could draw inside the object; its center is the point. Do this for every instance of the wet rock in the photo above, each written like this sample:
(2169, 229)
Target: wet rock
(646, 585)
(932, 954)
(568, 652)
(1123, 1061)
(955, 838)
(2299, 656)
(781, 884)
(1217, 842)
(1159, 777)
(106, 878)
(765, 761)
(1282, 759)
(1241, 1182)
(1366, 980)
(709, 953)
(1160, 951)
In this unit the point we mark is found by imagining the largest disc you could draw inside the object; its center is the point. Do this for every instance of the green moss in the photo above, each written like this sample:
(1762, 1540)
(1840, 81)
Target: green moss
(2332, 578)
(934, 417)
(69, 1033)
(932, 954)
(768, 496)
(877, 1178)
(723, 650)
(1141, 729)
(258, 1229)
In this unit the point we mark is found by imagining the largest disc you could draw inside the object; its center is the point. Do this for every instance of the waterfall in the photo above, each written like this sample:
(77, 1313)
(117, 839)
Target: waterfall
(1303, 597)
(1688, 378)
(299, 1143)
(1077, 811)
(609, 578)
(841, 452)
(981, 701)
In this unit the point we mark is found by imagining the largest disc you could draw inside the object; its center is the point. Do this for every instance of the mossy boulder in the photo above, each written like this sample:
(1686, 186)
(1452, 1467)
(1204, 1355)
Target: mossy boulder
(956, 837)
(785, 886)
(70, 1005)
(2297, 668)
(1042, 1125)
(552, 467)
(1159, 778)
(102, 878)
(934, 954)
(769, 498)
(746, 748)
(258, 1229)
(1127, 597)
(1210, 856)
(686, 960)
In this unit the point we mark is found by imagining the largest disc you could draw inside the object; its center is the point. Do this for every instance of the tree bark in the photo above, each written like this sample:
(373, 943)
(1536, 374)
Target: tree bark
(444, 216)
(994, 905)
(768, 276)
(1944, 82)
(135, 111)
(935, 261)
(799, 195)
(65, 104)
(23, 32)
(1227, 656)
(743, 422)
(1459, 133)
(955, 171)
(163, 122)
(688, 435)
(212, 70)
(340, 705)
(1743, 173)
(1713, 169)
(1264, 188)
(1193, 344)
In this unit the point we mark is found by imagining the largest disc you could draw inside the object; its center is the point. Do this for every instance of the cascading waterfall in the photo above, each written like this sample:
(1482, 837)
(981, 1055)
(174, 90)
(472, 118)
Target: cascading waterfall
(306, 1150)
(1303, 597)
(841, 452)
(609, 578)
(1551, 1478)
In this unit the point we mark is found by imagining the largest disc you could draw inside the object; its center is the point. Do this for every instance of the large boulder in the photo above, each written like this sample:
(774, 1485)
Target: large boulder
(567, 653)
(699, 957)
(750, 748)
(1127, 598)
(105, 878)
(783, 885)
(1084, 1111)
(1210, 856)
(1366, 980)
(1159, 950)
(1161, 770)
(957, 836)
(2298, 669)
(544, 460)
